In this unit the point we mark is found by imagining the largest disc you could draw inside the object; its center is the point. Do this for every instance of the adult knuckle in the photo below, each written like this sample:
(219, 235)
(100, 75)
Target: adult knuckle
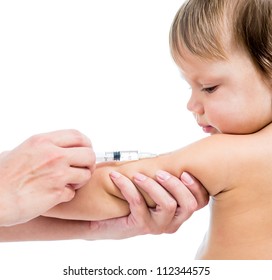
(152, 229)
(142, 223)
(170, 205)
(86, 175)
(163, 229)
(74, 132)
(57, 181)
(137, 201)
(192, 205)
(91, 157)
(144, 226)
(66, 195)
(69, 196)
(37, 139)
(54, 157)
(77, 135)
(159, 231)
(171, 229)
(58, 193)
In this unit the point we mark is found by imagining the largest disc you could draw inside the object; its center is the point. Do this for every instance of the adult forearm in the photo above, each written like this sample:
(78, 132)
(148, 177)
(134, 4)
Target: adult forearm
(43, 228)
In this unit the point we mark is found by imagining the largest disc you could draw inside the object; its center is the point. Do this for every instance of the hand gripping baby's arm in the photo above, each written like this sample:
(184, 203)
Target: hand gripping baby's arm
(216, 161)
(100, 198)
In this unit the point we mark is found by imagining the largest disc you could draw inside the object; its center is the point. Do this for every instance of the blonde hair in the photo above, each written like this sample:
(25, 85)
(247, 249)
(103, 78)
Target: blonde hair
(207, 27)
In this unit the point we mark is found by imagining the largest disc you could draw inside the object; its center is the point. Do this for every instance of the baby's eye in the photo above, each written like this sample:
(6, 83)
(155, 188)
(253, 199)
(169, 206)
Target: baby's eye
(210, 89)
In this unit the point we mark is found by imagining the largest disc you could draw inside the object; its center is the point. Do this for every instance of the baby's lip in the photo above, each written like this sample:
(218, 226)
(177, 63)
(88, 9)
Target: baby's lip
(203, 125)
(206, 128)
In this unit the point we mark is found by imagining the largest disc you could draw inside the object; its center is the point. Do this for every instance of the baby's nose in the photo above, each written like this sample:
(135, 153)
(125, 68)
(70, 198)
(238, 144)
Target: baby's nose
(195, 106)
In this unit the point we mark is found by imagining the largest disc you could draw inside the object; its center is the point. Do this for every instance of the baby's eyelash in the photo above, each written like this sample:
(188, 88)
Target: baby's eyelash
(209, 89)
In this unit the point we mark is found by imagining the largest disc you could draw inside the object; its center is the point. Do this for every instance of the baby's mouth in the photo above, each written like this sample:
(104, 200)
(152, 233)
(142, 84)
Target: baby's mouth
(208, 128)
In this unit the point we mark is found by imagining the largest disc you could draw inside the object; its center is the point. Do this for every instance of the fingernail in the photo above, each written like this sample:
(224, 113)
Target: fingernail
(115, 175)
(139, 177)
(163, 175)
(186, 178)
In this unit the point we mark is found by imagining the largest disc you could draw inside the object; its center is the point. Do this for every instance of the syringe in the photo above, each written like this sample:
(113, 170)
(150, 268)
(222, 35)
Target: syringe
(122, 156)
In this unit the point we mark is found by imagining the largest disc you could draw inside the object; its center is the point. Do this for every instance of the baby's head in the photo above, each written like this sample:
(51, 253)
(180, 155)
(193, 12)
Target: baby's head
(222, 33)
(211, 28)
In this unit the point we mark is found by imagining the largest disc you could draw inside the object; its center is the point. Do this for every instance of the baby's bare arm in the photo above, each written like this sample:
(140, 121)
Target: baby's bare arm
(218, 162)
(101, 199)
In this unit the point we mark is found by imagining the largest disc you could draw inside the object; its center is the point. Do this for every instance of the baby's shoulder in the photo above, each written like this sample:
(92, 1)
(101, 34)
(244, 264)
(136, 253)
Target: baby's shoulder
(223, 162)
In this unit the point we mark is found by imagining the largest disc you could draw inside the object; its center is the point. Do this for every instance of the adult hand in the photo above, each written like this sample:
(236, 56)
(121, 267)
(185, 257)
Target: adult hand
(43, 171)
(176, 200)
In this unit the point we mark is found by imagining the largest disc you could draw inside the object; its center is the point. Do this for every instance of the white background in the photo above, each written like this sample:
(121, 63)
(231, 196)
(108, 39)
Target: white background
(104, 68)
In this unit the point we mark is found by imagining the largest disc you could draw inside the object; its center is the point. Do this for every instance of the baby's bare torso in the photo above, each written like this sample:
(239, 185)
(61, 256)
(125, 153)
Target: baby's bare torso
(241, 224)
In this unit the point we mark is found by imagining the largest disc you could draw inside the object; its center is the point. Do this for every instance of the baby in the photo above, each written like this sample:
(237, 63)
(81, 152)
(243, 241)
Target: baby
(223, 49)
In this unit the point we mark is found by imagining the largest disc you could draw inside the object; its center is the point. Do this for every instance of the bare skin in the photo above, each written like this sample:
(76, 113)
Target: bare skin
(240, 225)
(230, 99)
(189, 193)
(42, 172)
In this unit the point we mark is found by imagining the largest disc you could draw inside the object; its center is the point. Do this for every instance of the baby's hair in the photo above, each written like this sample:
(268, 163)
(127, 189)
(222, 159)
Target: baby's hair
(208, 28)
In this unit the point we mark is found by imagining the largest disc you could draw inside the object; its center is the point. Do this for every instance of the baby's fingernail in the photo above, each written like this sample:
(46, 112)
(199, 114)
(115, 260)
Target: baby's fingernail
(163, 175)
(139, 177)
(186, 178)
(115, 175)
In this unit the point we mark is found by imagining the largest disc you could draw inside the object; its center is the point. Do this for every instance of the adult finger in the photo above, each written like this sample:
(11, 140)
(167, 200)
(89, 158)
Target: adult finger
(187, 203)
(166, 205)
(174, 186)
(134, 198)
(68, 138)
(80, 157)
(67, 194)
(196, 188)
(77, 177)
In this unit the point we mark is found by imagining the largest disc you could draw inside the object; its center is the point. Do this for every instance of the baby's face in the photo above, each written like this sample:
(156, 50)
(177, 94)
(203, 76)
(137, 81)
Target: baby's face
(227, 96)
